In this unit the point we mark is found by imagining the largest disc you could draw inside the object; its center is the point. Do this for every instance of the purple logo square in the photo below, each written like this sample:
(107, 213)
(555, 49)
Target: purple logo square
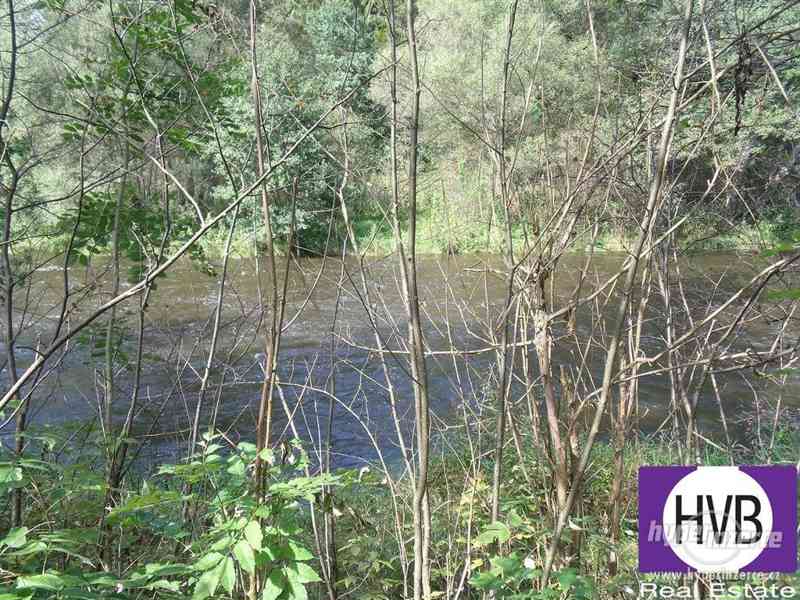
(718, 519)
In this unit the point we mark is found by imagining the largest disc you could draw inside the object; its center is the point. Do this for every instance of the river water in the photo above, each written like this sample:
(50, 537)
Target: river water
(326, 351)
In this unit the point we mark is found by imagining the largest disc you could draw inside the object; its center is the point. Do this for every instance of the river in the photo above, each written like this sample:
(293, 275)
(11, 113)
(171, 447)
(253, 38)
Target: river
(326, 349)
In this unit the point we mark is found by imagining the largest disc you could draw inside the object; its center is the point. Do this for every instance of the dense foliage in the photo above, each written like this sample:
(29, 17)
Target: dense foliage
(265, 142)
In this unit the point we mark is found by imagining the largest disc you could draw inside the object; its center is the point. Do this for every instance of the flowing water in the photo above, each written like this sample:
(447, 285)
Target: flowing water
(328, 350)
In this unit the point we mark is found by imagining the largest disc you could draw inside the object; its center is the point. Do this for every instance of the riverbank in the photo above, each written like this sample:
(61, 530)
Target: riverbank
(455, 236)
(160, 554)
(443, 235)
(507, 556)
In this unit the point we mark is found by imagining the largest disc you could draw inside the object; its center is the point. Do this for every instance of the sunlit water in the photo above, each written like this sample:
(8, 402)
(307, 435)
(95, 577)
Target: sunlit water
(326, 352)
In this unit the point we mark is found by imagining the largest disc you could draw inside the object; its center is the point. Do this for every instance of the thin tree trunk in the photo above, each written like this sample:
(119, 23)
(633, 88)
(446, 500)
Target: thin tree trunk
(108, 374)
(505, 357)
(8, 274)
(653, 203)
(408, 267)
(272, 342)
(117, 466)
(214, 338)
(273, 338)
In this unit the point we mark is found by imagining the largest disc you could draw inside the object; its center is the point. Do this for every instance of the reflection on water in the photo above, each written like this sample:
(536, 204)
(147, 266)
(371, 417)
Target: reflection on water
(326, 350)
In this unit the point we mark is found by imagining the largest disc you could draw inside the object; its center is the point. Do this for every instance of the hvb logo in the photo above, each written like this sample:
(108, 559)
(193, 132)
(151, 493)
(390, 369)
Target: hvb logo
(718, 519)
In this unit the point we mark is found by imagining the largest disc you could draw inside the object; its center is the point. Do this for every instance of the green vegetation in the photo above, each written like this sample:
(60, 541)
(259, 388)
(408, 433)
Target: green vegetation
(161, 555)
(317, 51)
(362, 134)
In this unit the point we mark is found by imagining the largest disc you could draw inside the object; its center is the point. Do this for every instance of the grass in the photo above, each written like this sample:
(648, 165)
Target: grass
(460, 496)
(369, 564)
(448, 231)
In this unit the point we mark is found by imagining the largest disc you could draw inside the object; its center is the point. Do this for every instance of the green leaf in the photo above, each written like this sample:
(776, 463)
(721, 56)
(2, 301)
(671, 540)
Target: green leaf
(299, 553)
(506, 566)
(47, 581)
(494, 531)
(244, 556)
(56, 5)
(297, 591)
(164, 570)
(102, 580)
(165, 584)
(778, 249)
(301, 573)
(9, 476)
(485, 581)
(567, 578)
(209, 561)
(228, 575)
(514, 520)
(29, 549)
(236, 466)
(274, 586)
(15, 538)
(208, 582)
(252, 533)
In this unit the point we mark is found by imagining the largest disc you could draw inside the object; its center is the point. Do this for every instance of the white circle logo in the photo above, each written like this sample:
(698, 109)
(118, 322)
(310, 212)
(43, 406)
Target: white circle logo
(717, 519)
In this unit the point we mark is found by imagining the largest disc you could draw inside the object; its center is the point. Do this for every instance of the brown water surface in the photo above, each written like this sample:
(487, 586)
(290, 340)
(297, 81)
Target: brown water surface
(326, 345)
